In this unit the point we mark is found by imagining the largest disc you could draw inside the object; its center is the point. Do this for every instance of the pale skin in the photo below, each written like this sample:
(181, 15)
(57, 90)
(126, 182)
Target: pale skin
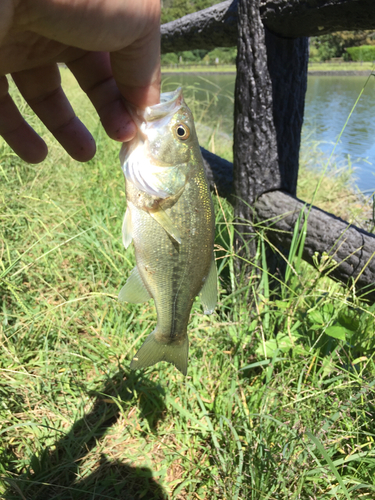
(111, 46)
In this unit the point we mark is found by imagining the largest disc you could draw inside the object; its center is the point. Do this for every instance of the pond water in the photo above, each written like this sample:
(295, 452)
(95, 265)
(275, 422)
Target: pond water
(329, 100)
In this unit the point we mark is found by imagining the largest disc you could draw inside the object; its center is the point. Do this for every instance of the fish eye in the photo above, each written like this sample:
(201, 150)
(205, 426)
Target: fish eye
(182, 131)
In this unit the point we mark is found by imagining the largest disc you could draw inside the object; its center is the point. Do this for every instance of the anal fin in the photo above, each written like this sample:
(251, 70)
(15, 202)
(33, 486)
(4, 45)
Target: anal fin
(134, 290)
(208, 293)
(166, 223)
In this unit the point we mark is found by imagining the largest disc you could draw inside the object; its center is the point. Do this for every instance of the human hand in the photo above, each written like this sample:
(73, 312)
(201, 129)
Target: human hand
(112, 47)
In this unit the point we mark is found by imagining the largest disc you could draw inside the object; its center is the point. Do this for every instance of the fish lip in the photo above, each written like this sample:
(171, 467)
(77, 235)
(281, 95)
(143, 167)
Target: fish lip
(169, 101)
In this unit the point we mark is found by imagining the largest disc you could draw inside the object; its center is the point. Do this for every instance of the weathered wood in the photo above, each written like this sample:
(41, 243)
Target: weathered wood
(269, 103)
(287, 61)
(293, 18)
(350, 247)
(206, 29)
(255, 160)
(217, 25)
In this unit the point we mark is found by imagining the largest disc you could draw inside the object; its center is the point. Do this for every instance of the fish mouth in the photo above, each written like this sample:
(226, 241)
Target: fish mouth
(169, 101)
(169, 104)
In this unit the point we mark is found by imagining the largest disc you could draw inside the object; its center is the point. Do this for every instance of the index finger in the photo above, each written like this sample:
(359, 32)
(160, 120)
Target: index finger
(136, 68)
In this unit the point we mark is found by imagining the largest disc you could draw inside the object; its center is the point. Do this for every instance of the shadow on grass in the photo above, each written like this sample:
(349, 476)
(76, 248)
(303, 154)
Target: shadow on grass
(53, 474)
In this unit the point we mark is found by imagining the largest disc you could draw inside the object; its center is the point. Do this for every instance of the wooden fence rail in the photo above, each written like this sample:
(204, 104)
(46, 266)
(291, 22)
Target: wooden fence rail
(271, 36)
(217, 25)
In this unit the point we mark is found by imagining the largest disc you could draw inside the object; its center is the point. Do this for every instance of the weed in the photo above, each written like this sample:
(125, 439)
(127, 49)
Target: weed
(278, 401)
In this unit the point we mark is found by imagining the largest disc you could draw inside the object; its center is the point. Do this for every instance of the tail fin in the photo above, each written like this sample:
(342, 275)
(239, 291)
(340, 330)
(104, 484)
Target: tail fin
(153, 351)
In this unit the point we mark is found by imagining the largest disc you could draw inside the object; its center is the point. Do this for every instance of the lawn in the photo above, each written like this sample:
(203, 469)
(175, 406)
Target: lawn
(341, 66)
(328, 66)
(278, 402)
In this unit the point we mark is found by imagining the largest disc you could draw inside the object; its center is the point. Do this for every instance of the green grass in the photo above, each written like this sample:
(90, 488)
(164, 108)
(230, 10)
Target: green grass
(337, 192)
(231, 68)
(198, 68)
(340, 66)
(279, 398)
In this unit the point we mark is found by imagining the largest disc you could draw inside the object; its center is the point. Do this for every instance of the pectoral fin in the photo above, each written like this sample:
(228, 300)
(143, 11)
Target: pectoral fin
(134, 290)
(209, 291)
(164, 220)
(127, 235)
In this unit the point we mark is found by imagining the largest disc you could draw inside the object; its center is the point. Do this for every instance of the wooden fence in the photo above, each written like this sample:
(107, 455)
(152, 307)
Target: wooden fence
(271, 80)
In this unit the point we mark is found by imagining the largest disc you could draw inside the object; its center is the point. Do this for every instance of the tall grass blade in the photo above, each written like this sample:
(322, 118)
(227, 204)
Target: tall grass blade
(331, 465)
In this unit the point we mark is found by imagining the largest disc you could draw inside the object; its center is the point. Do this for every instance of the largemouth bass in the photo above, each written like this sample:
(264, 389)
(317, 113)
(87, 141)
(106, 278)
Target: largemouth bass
(170, 219)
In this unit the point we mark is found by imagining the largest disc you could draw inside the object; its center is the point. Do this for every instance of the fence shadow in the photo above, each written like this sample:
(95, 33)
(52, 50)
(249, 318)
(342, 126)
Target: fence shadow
(53, 473)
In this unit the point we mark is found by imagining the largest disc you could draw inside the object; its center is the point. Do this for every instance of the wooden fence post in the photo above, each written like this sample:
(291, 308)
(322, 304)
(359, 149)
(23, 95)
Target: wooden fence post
(269, 103)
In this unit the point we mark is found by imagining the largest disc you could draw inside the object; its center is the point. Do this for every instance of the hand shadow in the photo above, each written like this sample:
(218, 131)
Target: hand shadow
(53, 474)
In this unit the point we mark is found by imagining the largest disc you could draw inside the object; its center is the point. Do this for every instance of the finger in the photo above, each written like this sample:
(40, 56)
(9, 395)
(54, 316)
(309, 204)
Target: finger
(94, 74)
(130, 30)
(136, 68)
(141, 88)
(41, 88)
(24, 141)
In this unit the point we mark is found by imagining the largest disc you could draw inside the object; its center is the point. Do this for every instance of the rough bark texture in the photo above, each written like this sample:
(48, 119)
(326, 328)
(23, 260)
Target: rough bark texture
(293, 18)
(352, 248)
(255, 165)
(269, 104)
(287, 65)
(217, 25)
(206, 29)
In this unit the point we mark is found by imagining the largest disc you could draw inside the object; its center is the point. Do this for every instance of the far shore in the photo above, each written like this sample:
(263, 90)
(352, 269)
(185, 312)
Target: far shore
(316, 73)
(319, 69)
(340, 73)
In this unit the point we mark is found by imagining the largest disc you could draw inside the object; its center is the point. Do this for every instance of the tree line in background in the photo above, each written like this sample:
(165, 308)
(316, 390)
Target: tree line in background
(348, 45)
(341, 44)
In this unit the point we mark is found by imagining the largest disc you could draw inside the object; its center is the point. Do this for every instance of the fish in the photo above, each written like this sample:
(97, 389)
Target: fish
(170, 220)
